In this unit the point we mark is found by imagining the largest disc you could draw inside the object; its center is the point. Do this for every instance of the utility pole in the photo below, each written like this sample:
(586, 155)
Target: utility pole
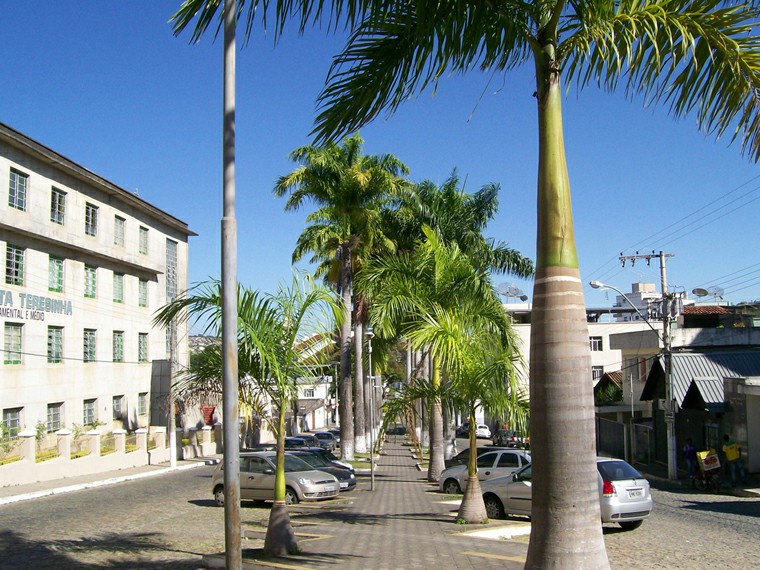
(667, 351)
(172, 415)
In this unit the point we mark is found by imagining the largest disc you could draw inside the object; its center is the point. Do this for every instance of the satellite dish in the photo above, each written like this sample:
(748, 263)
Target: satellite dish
(510, 290)
(717, 292)
(699, 292)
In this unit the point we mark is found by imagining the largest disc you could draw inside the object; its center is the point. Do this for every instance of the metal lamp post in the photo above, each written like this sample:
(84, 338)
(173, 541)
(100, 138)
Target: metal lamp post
(666, 353)
(370, 334)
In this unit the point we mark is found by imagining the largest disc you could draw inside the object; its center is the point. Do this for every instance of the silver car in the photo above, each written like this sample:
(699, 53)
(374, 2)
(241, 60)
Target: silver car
(624, 495)
(491, 464)
(302, 481)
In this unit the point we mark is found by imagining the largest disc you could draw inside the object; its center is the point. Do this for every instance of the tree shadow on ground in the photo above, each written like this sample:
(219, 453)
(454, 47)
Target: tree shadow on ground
(111, 550)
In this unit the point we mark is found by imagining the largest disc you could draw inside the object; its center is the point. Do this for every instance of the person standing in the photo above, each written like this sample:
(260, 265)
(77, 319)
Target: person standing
(733, 455)
(690, 456)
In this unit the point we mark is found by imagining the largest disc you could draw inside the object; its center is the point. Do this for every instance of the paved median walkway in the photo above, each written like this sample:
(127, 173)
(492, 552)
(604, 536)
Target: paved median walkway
(403, 523)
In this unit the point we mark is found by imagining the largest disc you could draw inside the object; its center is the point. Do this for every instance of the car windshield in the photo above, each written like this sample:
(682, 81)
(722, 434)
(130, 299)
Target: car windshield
(617, 471)
(323, 435)
(313, 459)
(293, 463)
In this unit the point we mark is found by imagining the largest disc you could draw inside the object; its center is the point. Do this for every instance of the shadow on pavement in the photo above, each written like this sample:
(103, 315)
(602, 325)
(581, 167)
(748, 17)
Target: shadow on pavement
(112, 550)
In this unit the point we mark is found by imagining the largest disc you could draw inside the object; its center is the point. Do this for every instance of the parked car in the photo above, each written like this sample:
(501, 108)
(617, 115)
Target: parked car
(463, 430)
(624, 495)
(330, 456)
(482, 431)
(326, 440)
(491, 464)
(336, 434)
(510, 438)
(346, 478)
(463, 456)
(295, 443)
(302, 481)
(310, 439)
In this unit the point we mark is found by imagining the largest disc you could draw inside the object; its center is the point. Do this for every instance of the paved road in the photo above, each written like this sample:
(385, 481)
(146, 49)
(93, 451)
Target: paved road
(169, 521)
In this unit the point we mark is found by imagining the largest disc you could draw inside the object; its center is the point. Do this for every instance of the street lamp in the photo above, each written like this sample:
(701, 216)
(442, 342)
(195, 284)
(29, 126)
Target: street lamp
(370, 334)
(666, 353)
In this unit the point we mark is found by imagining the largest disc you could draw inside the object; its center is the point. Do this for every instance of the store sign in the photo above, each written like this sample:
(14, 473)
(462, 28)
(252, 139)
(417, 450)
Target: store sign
(26, 306)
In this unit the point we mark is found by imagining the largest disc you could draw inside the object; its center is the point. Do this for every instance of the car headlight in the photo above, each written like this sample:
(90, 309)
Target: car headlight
(304, 481)
(353, 476)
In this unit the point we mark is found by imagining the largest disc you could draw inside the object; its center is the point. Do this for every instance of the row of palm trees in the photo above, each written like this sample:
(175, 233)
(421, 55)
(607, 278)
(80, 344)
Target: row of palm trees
(370, 218)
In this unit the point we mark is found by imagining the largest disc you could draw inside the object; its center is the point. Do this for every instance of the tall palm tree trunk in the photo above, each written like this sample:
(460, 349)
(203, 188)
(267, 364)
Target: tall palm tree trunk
(345, 404)
(565, 493)
(360, 433)
(436, 464)
(280, 539)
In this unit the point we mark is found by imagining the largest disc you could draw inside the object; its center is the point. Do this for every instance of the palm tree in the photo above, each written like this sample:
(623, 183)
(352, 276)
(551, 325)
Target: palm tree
(413, 293)
(457, 217)
(280, 337)
(699, 56)
(350, 189)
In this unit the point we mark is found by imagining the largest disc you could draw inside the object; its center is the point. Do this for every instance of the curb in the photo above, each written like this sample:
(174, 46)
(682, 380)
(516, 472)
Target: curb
(101, 483)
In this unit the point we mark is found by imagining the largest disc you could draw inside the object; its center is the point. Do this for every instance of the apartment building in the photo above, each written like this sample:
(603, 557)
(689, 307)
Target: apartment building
(87, 264)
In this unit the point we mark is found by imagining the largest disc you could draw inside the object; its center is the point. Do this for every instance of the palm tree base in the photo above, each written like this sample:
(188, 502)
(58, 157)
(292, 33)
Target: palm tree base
(281, 538)
(473, 509)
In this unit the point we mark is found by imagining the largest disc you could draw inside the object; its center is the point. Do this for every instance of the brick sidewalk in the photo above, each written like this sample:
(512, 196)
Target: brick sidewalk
(403, 523)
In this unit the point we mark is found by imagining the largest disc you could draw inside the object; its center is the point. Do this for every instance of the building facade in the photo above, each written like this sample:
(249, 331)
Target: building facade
(87, 264)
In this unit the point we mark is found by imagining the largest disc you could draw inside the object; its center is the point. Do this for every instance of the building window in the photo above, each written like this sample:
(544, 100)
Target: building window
(57, 206)
(143, 240)
(142, 404)
(596, 373)
(90, 281)
(91, 220)
(54, 415)
(89, 345)
(118, 287)
(118, 346)
(596, 343)
(17, 191)
(143, 293)
(13, 346)
(308, 393)
(11, 422)
(14, 265)
(55, 274)
(117, 407)
(142, 347)
(88, 412)
(55, 345)
(119, 224)
(171, 270)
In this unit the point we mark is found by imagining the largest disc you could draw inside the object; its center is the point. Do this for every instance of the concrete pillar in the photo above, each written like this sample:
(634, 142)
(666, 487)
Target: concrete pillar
(27, 448)
(120, 440)
(64, 443)
(142, 439)
(94, 442)
(159, 433)
(218, 437)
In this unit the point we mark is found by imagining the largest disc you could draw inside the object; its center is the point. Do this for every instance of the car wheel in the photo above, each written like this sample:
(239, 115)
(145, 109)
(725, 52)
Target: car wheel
(451, 487)
(494, 508)
(291, 497)
(630, 525)
(219, 496)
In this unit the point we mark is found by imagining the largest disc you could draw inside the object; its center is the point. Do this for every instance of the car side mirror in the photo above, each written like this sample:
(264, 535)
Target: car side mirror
(515, 477)
(268, 471)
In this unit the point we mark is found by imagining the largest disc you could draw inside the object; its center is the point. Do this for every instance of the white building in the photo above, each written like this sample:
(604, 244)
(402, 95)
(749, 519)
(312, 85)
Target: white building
(87, 264)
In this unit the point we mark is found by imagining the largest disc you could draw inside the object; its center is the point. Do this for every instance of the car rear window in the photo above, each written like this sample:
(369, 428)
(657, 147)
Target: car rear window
(617, 471)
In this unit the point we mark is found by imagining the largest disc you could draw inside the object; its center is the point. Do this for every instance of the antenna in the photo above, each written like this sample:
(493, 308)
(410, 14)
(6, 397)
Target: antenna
(717, 293)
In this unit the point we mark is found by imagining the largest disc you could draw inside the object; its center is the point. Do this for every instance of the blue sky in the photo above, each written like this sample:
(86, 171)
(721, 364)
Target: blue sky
(107, 85)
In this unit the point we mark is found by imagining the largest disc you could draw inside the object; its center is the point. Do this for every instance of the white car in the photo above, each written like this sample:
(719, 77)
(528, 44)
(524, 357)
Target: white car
(624, 495)
(483, 431)
(495, 463)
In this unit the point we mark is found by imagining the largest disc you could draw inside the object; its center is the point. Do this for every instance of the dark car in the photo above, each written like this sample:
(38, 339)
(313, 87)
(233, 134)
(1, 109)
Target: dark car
(295, 443)
(310, 439)
(336, 434)
(345, 477)
(330, 456)
(326, 440)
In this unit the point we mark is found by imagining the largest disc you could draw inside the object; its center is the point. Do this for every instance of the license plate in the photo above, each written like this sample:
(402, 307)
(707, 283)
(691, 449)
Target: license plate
(330, 488)
(344, 485)
(635, 493)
